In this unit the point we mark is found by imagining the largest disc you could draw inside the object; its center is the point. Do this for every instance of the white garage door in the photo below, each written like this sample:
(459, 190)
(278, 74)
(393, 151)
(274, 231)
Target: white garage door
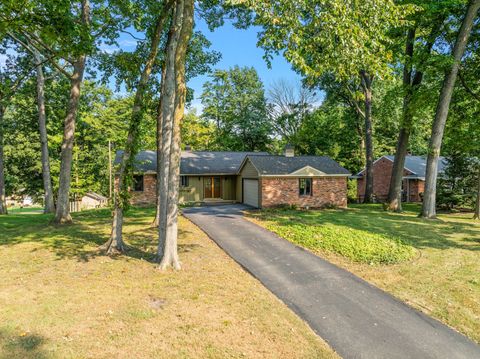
(250, 192)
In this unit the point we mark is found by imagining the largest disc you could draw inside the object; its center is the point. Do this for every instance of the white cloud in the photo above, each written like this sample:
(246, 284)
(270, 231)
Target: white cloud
(128, 43)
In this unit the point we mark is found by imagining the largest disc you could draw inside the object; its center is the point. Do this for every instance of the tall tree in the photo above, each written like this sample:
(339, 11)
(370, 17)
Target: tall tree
(421, 37)
(357, 48)
(115, 243)
(166, 122)
(62, 214)
(49, 205)
(12, 75)
(441, 114)
(234, 101)
(288, 105)
(170, 253)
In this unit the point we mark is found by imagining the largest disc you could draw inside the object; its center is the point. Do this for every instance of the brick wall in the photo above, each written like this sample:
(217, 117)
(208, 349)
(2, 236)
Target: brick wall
(326, 191)
(416, 189)
(148, 195)
(382, 173)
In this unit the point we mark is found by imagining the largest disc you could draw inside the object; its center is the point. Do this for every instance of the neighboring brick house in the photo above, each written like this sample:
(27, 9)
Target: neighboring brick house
(257, 179)
(413, 183)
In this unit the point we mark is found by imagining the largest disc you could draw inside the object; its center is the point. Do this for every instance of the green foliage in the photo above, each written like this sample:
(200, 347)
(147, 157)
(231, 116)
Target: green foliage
(457, 188)
(196, 132)
(234, 101)
(102, 117)
(318, 230)
(338, 37)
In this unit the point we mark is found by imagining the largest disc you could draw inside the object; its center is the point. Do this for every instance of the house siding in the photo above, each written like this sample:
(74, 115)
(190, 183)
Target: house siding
(248, 171)
(326, 191)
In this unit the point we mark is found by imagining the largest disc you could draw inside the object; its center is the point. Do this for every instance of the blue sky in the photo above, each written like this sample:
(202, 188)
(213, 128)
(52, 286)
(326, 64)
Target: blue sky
(238, 47)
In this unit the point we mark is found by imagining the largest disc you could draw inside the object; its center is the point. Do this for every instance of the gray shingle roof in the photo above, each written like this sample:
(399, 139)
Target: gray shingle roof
(281, 165)
(418, 164)
(194, 162)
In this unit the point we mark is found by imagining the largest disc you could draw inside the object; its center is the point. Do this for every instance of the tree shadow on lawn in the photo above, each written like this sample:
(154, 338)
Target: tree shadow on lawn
(83, 238)
(22, 346)
(406, 226)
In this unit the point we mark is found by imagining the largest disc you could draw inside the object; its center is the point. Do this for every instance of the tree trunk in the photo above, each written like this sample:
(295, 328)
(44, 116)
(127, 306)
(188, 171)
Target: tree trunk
(395, 191)
(156, 221)
(49, 206)
(367, 91)
(170, 254)
(410, 84)
(441, 114)
(62, 214)
(3, 201)
(115, 244)
(477, 206)
(167, 114)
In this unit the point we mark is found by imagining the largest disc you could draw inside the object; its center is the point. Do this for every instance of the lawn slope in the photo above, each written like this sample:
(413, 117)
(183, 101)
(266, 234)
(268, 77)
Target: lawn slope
(60, 298)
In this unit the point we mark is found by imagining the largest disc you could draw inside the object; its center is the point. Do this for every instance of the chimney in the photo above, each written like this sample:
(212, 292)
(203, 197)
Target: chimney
(289, 151)
(188, 148)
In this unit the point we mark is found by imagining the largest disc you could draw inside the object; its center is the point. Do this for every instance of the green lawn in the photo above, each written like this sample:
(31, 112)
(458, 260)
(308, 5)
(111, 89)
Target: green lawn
(432, 265)
(61, 298)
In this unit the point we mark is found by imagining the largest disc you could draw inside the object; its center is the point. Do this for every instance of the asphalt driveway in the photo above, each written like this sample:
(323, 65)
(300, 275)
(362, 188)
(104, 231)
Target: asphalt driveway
(357, 319)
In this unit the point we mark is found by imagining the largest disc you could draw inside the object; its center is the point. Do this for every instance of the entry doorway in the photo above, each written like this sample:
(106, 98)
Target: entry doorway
(212, 187)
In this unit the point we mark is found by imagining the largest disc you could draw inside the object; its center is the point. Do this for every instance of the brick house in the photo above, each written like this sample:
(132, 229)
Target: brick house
(254, 178)
(413, 183)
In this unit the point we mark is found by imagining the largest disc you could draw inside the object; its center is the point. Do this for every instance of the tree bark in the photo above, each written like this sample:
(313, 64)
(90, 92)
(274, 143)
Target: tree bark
(441, 114)
(62, 214)
(410, 84)
(367, 91)
(115, 244)
(395, 191)
(156, 221)
(49, 205)
(3, 201)
(167, 113)
(476, 215)
(170, 255)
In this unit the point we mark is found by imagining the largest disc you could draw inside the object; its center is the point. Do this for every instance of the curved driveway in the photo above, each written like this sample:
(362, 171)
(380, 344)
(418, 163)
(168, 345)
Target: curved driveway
(357, 319)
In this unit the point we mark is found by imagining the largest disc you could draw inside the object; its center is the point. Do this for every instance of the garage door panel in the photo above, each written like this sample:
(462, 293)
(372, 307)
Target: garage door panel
(250, 192)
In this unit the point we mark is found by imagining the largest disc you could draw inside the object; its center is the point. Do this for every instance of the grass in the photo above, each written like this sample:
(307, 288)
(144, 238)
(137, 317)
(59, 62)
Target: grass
(443, 276)
(60, 298)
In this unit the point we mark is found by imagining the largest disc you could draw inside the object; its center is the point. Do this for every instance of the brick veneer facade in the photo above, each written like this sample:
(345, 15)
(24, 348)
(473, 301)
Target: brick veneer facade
(148, 195)
(382, 173)
(326, 191)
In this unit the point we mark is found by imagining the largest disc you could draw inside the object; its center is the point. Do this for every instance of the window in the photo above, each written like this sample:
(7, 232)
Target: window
(183, 181)
(138, 183)
(305, 186)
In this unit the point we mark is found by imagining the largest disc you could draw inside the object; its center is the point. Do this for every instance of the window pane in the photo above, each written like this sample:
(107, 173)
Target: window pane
(308, 186)
(138, 183)
(301, 186)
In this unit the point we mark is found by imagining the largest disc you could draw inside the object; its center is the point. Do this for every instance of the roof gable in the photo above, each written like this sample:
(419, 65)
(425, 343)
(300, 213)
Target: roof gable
(308, 171)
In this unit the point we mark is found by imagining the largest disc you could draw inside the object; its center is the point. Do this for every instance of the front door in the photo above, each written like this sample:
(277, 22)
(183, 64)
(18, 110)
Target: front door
(212, 187)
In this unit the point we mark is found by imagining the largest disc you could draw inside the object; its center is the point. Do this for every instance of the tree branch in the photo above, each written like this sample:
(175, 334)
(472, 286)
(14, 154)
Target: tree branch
(467, 88)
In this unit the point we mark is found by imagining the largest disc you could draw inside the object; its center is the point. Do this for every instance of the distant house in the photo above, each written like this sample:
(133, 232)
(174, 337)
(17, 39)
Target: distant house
(93, 200)
(413, 183)
(254, 178)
